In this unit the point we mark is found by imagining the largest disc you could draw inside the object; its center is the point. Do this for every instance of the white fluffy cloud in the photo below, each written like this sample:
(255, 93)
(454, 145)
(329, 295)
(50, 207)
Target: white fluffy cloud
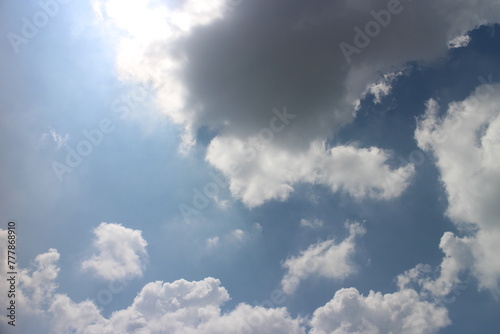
(466, 144)
(194, 307)
(179, 307)
(38, 283)
(257, 176)
(120, 253)
(183, 307)
(325, 259)
(402, 312)
(448, 283)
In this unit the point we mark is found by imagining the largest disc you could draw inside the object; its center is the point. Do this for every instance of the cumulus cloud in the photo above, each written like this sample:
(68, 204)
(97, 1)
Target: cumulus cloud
(400, 312)
(194, 307)
(466, 144)
(174, 308)
(271, 173)
(120, 253)
(238, 235)
(38, 283)
(448, 283)
(34, 288)
(325, 259)
(215, 68)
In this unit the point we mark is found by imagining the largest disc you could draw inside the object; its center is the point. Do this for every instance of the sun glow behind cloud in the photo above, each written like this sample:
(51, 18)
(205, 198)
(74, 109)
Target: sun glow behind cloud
(134, 27)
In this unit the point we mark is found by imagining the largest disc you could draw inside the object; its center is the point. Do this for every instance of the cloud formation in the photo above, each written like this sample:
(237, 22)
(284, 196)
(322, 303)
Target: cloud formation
(194, 307)
(466, 144)
(120, 253)
(168, 308)
(324, 259)
(401, 312)
(272, 172)
(215, 68)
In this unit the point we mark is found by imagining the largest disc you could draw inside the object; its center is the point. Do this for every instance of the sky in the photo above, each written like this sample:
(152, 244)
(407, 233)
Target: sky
(250, 166)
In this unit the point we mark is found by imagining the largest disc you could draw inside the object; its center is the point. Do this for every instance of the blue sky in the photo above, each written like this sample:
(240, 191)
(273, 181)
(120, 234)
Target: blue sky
(243, 173)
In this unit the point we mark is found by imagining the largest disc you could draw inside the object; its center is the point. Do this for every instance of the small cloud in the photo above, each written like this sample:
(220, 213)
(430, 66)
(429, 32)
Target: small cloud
(324, 259)
(121, 253)
(212, 242)
(58, 139)
(238, 235)
(316, 223)
(459, 42)
(381, 88)
(222, 204)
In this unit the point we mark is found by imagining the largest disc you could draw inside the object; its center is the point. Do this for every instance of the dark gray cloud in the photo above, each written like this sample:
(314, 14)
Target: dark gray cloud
(268, 54)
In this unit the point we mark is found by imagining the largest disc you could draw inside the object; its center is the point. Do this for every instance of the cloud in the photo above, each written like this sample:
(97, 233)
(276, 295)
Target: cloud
(177, 307)
(316, 223)
(38, 283)
(194, 307)
(159, 307)
(400, 312)
(466, 144)
(212, 242)
(215, 68)
(325, 259)
(121, 253)
(459, 42)
(256, 177)
(382, 87)
(238, 235)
